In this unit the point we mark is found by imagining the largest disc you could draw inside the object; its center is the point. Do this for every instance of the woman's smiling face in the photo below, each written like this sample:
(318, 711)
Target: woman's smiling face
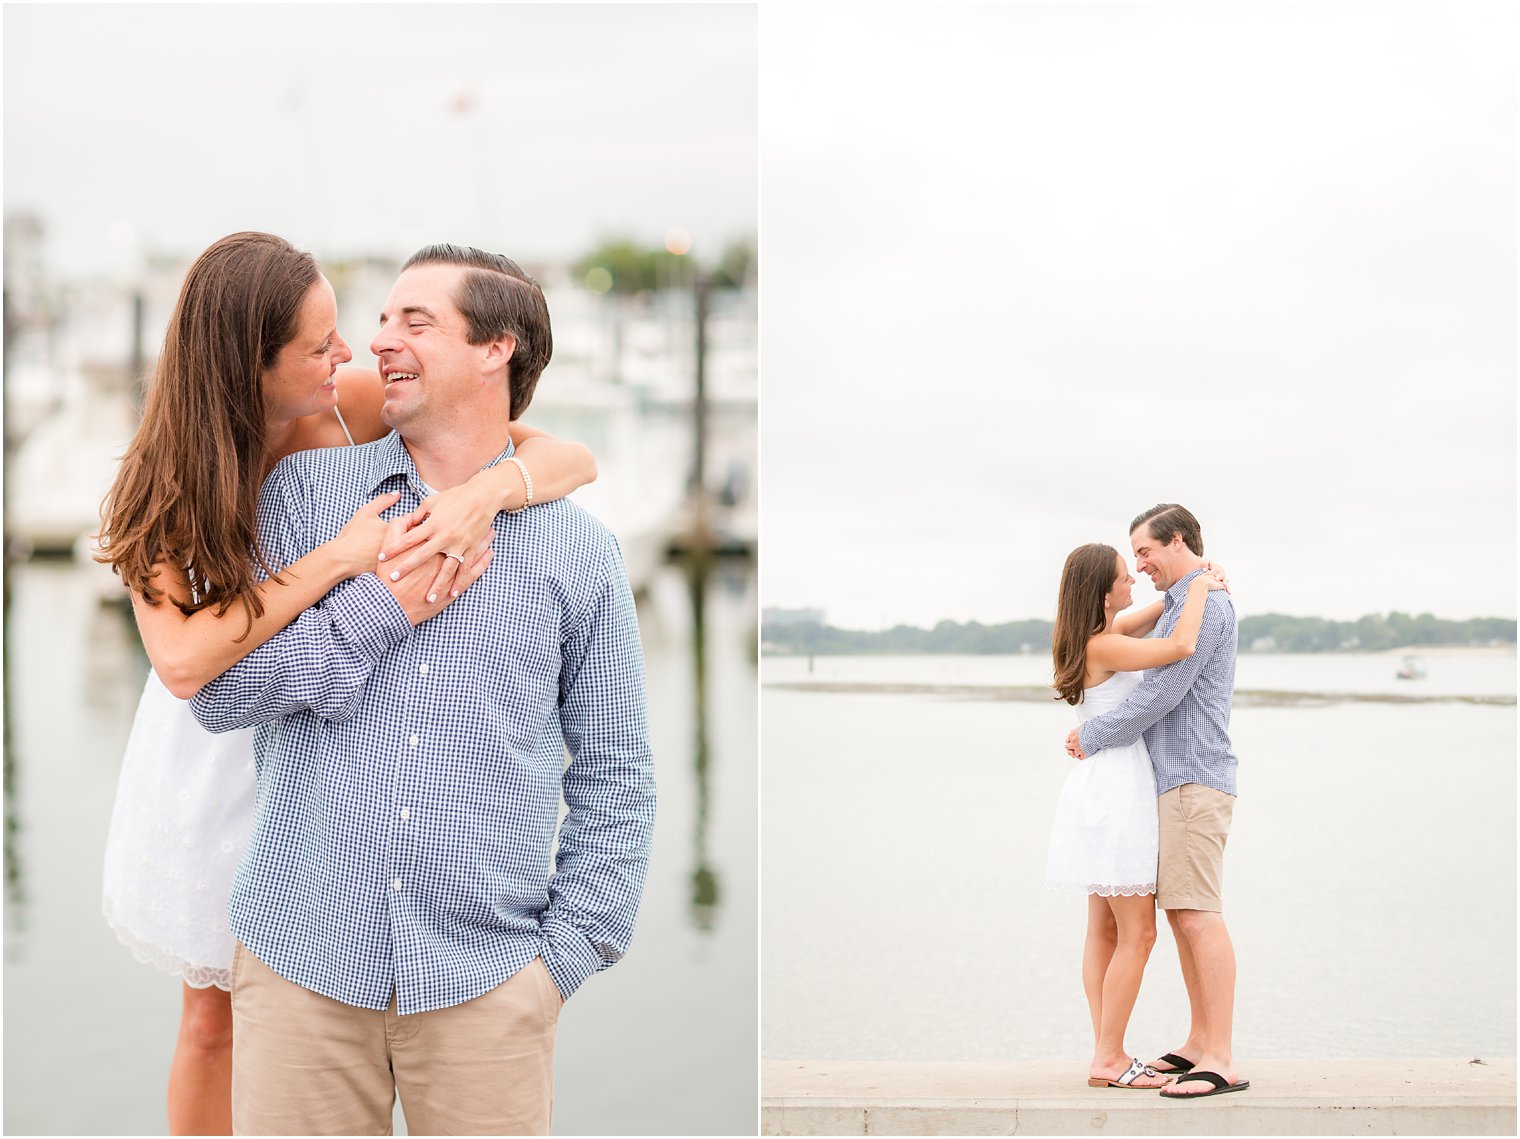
(301, 380)
(1118, 597)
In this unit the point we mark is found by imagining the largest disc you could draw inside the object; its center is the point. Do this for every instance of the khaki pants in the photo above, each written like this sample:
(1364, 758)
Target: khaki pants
(304, 1064)
(1194, 825)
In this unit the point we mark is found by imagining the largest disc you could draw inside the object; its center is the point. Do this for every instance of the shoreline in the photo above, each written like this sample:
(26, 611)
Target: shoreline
(1037, 693)
(1407, 650)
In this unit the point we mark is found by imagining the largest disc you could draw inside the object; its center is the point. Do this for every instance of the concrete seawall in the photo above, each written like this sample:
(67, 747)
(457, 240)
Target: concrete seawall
(1311, 1097)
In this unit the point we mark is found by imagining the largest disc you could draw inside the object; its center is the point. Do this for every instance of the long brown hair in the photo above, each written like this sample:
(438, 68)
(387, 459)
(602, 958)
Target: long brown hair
(187, 491)
(1086, 579)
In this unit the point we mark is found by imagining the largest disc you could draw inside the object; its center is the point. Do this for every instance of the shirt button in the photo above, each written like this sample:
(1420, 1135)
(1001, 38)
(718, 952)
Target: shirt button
(422, 668)
(414, 741)
(406, 812)
(396, 884)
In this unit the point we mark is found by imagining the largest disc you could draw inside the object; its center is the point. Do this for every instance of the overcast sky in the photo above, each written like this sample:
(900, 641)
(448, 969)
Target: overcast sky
(375, 128)
(1029, 270)
(1026, 269)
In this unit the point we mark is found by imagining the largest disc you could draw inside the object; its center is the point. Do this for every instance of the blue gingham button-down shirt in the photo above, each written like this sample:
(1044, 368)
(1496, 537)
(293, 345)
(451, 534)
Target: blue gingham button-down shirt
(1182, 709)
(409, 780)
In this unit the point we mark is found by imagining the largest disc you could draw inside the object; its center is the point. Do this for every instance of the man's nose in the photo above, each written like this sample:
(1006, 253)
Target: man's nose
(383, 342)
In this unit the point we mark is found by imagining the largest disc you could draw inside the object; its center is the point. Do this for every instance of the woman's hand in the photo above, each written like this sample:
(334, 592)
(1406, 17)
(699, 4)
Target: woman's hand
(417, 593)
(1214, 575)
(455, 523)
(355, 549)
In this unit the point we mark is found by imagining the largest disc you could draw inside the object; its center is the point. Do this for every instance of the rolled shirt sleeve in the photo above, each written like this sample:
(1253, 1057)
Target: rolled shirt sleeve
(1161, 690)
(604, 839)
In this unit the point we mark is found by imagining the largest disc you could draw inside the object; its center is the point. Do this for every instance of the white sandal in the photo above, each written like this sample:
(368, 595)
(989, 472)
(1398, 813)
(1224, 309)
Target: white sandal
(1136, 1069)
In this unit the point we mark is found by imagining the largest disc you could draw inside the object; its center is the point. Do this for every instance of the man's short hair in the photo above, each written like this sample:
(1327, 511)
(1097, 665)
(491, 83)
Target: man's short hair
(496, 298)
(1168, 520)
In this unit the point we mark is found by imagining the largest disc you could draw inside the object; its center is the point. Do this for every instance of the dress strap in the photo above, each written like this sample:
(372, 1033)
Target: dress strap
(346, 433)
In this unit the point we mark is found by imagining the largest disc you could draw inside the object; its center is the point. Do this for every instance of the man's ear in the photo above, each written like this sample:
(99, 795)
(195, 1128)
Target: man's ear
(499, 351)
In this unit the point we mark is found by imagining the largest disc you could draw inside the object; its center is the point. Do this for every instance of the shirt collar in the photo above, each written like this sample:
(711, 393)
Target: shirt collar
(1177, 594)
(391, 458)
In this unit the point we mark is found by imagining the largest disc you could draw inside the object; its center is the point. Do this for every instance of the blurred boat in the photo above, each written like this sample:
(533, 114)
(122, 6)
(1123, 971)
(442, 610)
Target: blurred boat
(1413, 668)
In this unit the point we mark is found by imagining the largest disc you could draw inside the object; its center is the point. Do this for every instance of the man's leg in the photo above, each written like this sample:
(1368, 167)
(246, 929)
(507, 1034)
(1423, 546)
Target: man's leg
(485, 1067)
(1197, 1030)
(1214, 958)
(302, 1063)
(1194, 822)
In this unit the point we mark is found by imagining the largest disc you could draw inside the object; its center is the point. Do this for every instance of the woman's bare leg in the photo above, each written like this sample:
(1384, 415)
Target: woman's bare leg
(1102, 936)
(1135, 917)
(200, 1076)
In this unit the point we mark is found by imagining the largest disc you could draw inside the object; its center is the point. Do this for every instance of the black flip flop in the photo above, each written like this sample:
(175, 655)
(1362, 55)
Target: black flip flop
(1178, 1064)
(1221, 1085)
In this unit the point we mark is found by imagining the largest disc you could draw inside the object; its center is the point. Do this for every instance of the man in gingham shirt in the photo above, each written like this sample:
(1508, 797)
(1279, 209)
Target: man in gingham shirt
(398, 924)
(1183, 711)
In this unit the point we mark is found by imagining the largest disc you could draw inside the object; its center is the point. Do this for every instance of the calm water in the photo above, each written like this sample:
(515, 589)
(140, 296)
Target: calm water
(1450, 672)
(1370, 886)
(664, 1043)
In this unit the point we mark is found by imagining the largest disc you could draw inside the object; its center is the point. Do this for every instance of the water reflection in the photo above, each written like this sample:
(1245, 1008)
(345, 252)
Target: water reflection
(114, 667)
(681, 1007)
(14, 894)
(704, 879)
(117, 666)
(728, 572)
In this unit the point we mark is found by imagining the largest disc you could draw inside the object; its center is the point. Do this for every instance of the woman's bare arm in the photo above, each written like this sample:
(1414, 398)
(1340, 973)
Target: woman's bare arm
(458, 520)
(1139, 622)
(1118, 653)
(187, 651)
(557, 466)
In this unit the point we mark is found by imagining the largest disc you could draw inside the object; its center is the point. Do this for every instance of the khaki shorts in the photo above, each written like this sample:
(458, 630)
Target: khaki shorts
(1195, 823)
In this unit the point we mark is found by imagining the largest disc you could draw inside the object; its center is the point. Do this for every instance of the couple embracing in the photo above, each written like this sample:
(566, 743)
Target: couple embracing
(401, 637)
(1143, 820)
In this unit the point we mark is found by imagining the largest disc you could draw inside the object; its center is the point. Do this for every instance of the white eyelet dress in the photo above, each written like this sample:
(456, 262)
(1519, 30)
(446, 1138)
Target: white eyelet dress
(184, 810)
(1104, 840)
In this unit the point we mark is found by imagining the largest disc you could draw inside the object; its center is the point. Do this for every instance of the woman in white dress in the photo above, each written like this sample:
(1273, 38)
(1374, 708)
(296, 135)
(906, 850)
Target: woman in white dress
(249, 374)
(1104, 838)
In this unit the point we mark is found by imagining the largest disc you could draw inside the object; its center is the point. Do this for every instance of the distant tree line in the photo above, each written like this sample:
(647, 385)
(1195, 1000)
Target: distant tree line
(1269, 632)
(635, 268)
(1273, 632)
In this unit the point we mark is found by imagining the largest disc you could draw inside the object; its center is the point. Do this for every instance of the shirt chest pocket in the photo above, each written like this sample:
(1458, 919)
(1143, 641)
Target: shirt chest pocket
(516, 672)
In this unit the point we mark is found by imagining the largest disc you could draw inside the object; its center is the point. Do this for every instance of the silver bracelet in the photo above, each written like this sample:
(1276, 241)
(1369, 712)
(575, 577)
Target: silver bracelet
(527, 483)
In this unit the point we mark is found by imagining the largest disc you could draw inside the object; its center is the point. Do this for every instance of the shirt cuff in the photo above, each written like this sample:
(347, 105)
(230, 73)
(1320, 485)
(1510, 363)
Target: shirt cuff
(368, 614)
(1082, 739)
(569, 957)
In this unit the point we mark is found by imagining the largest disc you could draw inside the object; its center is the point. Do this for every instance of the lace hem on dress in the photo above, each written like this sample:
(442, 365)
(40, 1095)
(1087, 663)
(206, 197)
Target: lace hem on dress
(196, 976)
(1102, 890)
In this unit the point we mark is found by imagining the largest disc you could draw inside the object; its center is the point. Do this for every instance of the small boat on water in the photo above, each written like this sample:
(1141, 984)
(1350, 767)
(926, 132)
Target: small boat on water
(1413, 668)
